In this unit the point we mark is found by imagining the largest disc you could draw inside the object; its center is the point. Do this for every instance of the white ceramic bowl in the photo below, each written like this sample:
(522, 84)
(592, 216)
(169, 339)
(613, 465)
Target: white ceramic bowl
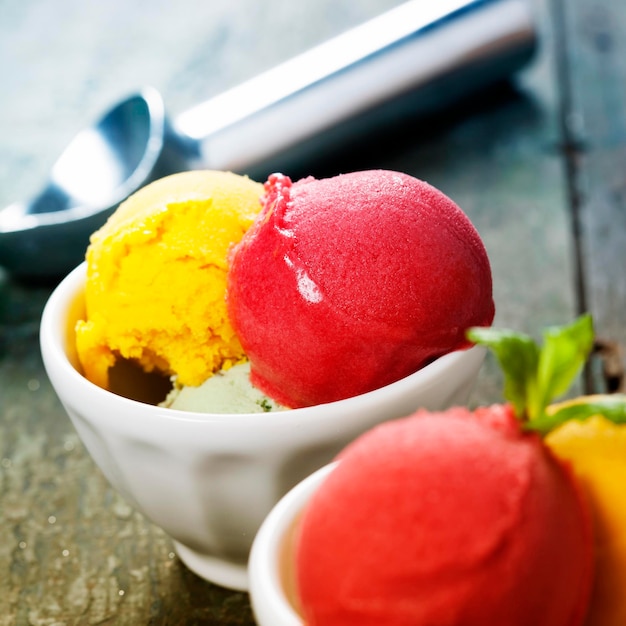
(209, 480)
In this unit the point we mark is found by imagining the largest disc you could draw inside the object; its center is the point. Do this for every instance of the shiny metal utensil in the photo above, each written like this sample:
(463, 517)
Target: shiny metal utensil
(424, 54)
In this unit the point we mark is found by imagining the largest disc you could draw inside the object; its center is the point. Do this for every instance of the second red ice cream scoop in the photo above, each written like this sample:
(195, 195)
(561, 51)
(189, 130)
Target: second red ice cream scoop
(456, 518)
(346, 284)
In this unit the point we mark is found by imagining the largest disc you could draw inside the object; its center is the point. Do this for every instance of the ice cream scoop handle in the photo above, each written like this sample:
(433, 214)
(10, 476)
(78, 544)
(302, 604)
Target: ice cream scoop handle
(415, 45)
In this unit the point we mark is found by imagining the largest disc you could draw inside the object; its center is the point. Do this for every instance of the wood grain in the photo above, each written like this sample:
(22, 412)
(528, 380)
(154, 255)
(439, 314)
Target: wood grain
(592, 77)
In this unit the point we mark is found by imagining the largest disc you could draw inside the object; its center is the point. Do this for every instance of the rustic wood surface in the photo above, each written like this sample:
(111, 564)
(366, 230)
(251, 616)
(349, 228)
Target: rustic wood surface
(539, 166)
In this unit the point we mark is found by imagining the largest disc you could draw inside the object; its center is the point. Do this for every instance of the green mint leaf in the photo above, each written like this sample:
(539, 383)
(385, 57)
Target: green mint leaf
(518, 356)
(611, 407)
(564, 352)
(534, 376)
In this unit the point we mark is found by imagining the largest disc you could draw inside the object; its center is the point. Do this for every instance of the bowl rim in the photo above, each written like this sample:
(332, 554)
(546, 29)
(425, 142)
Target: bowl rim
(267, 594)
(53, 330)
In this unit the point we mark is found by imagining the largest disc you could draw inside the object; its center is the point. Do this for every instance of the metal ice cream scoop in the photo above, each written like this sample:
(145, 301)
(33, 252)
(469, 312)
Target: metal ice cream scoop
(423, 54)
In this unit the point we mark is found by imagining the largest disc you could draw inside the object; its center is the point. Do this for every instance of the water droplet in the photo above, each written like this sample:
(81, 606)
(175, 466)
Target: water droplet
(122, 510)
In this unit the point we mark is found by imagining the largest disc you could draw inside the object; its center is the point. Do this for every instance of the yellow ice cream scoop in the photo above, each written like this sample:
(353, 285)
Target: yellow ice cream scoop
(596, 449)
(156, 278)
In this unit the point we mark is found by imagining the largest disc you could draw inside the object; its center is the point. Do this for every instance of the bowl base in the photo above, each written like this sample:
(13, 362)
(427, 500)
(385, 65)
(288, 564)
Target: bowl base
(217, 571)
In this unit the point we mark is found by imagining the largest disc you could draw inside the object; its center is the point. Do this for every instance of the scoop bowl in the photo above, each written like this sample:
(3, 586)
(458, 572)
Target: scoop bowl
(209, 480)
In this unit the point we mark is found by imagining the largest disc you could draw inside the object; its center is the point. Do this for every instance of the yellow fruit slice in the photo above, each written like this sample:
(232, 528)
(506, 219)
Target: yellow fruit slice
(596, 449)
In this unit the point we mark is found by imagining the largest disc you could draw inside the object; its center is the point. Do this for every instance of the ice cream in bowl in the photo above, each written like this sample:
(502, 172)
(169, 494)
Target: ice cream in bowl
(437, 518)
(510, 513)
(224, 339)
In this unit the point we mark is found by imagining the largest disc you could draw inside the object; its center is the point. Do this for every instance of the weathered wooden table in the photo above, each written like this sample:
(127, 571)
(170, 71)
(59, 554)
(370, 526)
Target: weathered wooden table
(540, 167)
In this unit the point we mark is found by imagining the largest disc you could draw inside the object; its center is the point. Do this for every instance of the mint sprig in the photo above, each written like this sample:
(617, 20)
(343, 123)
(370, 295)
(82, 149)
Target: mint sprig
(612, 407)
(535, 375)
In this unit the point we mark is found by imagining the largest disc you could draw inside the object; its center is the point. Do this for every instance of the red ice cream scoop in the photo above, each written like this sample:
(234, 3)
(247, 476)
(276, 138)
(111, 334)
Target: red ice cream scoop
(452, 518)
(346, 284)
